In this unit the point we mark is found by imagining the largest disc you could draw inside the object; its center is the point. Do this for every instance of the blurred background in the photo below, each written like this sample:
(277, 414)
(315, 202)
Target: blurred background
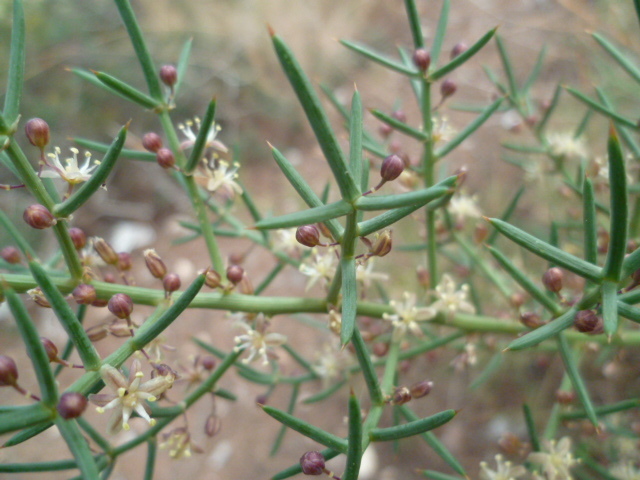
(232, 59)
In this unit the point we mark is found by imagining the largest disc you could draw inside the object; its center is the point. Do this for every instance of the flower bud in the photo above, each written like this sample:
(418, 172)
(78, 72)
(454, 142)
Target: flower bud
(37, 131)
(84, 294)
(10, 255)
(308, 235)
(171, 282)
(152, 142)
(154, 263)
(424, 277)
(99, 303)
(78, 237)
(448, 88)
(564, 397)
(422, 59)
(97, 332)
(8, 371)
(400, 396)
(165, 158)
(531, 320)
(38, 216)
(457, 49)
(312, 463)
(120, 305)
(105, 251)
(552, 279)
(324, 230)
(385, 130)
(38, 296)
(421, 389)
(380, 349)
(71, 405)
(587, 321)
(480, 233)
(50, 348)
(382, 244)
(212, 425)
(235, 274)
(400, 116)
(212, 279)
(169, 75)
(391, 168)
(516, 300)
(208, 362)
(125, 262)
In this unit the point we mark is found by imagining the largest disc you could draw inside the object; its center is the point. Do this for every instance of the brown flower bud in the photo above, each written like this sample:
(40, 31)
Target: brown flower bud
(457, 49)
(84, 294)
(400, 116)
(208, 362)
(38, 296)
(212, 425)
(120, 305)
(125, 261)
(324, 230)
(105, 251)
(171, 282)
(169, 75)
(78, 237)
(517, 299)
(385, 130)
(152, 142)
(38, 216)
(50, 348)
(37, 131)
(400, 396)
(480, 233)
(312, 463)
(552, 279)
(212, 279)
(531, 320)
(154, 263)
(245, 286)
(424, 277)
(308, 235)
(99, 303)
(97, 332)
(564, 397)
(8, 371)
(448, 88)
(382, 244)
(422, 59)
(235, 274)
(587, 321)
(510, 444)
(71, 405)
(165, 158)
(10, 255)
(421, 389)
(392, 167)
(380, 349)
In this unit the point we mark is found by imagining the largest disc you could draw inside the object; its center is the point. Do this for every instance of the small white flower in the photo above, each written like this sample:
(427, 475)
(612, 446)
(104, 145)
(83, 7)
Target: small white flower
(557, 460)
(442, 129)
(365, 274)
(285, 241)
(188, 132)
(565, 145)
(257, 341)
(407, 316)
(450, 300)
(321, 266)
(331, 362)
(220, 176)
(464, 206)
(70, 172)
(504, 470)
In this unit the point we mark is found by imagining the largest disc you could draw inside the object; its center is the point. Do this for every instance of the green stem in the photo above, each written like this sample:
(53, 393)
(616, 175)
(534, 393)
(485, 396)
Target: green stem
(429, 179)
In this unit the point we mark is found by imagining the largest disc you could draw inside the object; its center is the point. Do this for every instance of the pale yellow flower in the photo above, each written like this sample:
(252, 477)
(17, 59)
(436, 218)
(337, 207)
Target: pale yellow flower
(565, 145)
(557, 459)
(179, 443)
(187, 130)
(219, 175)
(504, 470)
(463, 207)
(257, 342)
(320, 266)
(70, 172)
(450, 299)
(407, 316)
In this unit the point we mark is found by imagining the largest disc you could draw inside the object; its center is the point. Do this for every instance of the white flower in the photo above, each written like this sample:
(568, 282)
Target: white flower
(130, 395)
(219, 176)
(70, 172)
(257, 341)
(464, 206)
(321, 266)
(285, 241)
(450, 300)
(365, 274)
(179, 443)
(211, 135)
(331, 362)
(557, 460)
(625, 471)
(407, 315)
(504, 471)
(442, 129)
(565, 145)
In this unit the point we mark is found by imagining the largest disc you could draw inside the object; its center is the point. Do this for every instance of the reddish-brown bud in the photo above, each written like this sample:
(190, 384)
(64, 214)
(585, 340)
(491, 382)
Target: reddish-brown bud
(120, 305)
(421, 389)
(385, 130)
(564, 397)
(424, 277)
(400, 396)
(169, 75)
(165, 158)
(212, 279)
(552, 279)
(171, 282)
(448, 88)
(8, 371)
(105, 251)
(152, 142)
(517, 299)
(380, 349)
(154, 263)
(37, 131)
(97, 332)
(99, 302)
(382, 244)
(212, 425)
(208, 362)
(10, 255)
(84, 294)
(587, 321)
(457, 49)
(531, 320)
(324, 230)
(125, 261)
(38, 216)
(391, 168)
(308, 235)
(480, 233)
(38, 296)
(422, 59)
(235, 274)
(312, 463)
(400, 116)
(78, 237)
(50, 348)
(71, 405)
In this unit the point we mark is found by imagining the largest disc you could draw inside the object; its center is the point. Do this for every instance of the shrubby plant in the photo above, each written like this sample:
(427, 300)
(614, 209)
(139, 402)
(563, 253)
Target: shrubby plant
(581, 304)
